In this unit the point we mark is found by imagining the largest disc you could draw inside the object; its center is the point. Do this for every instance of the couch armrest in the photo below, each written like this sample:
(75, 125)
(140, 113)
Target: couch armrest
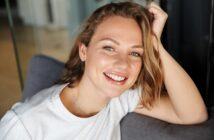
(139, 127)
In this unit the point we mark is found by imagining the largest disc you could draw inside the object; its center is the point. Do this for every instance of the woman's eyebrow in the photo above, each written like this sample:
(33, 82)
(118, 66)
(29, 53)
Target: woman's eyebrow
(109, 39)
(116, 42)
(137, 46)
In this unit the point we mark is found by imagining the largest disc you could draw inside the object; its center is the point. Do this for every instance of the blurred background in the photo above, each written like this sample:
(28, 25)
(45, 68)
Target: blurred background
(30, 27)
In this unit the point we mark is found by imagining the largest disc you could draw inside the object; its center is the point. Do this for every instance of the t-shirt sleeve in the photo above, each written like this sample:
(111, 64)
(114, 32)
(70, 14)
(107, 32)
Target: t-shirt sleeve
(11, 128)
(129, 99)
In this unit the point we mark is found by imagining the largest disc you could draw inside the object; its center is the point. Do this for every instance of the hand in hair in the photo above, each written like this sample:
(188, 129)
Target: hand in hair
(159, 20)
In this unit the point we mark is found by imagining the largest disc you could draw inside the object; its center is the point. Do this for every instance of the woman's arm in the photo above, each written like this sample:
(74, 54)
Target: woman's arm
(183, 104)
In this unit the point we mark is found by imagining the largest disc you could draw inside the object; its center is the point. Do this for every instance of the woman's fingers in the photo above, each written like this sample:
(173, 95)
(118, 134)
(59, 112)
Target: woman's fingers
(153, 4)
(159, 18)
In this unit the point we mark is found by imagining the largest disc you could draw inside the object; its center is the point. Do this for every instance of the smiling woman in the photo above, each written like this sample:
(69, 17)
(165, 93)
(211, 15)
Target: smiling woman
(121, 36)
(117, 65)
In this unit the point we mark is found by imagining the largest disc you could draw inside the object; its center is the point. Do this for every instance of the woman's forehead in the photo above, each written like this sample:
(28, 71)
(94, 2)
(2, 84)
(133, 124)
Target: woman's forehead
(118, 27)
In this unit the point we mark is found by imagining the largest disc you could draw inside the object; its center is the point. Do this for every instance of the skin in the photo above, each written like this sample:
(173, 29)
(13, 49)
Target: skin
(114, 50)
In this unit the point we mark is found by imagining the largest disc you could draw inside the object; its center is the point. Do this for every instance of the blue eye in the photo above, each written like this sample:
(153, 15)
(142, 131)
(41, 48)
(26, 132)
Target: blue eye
(108, 48)
(135, 54)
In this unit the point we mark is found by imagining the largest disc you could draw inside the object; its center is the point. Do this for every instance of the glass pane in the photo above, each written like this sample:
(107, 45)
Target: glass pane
(10, 90)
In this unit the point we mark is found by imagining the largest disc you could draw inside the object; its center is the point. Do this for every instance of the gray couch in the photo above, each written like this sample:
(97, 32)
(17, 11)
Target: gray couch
(44, 71)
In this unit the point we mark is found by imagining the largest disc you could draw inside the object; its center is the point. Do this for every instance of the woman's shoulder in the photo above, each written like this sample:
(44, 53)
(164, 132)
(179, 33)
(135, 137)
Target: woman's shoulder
(28, 115)
(11, 127)
(36, 103)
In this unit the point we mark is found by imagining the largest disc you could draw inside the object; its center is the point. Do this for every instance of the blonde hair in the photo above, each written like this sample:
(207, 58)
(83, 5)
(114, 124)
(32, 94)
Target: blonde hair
(151, 75)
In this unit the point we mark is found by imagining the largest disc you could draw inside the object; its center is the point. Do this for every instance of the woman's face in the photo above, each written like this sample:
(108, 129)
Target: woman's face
(113, 57)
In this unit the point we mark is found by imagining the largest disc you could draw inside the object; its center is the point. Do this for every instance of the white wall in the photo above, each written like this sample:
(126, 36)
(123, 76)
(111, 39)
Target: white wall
(35, 12)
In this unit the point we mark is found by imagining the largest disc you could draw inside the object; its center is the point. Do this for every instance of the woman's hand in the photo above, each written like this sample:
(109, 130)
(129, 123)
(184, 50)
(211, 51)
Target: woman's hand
(159, 18)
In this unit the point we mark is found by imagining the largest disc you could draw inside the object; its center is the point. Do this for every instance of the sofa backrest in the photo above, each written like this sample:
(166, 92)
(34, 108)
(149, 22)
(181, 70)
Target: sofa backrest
(43, 71)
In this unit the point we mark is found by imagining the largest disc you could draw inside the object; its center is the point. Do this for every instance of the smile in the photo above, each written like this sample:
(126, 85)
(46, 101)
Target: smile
(115, 77)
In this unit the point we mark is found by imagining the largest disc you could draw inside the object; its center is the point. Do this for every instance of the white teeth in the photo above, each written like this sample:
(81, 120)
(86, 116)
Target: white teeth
(115, 77)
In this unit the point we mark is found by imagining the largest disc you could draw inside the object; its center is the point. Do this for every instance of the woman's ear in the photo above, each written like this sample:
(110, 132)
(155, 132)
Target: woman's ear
(82, 52)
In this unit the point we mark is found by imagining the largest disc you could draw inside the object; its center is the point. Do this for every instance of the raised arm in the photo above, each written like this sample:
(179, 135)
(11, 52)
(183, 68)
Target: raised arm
(183, 104)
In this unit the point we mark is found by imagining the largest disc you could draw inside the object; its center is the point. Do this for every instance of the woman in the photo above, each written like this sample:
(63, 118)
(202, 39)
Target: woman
(117, 65)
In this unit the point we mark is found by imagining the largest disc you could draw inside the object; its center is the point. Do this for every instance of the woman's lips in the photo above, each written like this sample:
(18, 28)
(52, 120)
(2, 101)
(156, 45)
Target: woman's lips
(117, 79)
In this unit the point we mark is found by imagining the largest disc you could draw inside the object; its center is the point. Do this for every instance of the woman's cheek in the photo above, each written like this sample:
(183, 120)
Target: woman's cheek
(136, 67)
(104, 60)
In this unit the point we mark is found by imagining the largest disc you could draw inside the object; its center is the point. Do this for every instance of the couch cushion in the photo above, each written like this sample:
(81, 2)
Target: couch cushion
(43, 71)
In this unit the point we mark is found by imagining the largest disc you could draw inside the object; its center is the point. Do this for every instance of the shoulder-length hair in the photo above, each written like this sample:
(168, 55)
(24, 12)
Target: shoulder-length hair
(151, 75)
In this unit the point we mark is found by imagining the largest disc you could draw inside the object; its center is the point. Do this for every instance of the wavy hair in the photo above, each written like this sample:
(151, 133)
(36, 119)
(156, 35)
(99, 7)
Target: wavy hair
(151, 75)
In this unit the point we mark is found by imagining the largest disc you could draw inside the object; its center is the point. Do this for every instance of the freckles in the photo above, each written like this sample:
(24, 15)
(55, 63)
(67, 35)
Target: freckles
(136, 66)
(102, 60)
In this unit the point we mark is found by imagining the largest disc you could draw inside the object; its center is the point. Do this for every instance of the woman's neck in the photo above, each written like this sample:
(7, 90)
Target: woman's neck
(82, 100)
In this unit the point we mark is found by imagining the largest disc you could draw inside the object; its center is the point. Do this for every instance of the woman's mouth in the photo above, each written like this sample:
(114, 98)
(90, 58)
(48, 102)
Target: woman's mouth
(115, 78)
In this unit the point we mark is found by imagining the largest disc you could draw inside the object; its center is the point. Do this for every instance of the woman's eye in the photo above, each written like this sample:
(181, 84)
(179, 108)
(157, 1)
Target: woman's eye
(136, 54)
(108, 48)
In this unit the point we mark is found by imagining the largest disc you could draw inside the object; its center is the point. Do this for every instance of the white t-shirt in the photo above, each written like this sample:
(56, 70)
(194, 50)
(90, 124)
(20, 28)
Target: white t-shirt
(44, 117)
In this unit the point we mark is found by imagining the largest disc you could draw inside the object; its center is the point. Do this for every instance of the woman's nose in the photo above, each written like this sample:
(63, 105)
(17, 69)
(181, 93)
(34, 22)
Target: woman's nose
(122, 62)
